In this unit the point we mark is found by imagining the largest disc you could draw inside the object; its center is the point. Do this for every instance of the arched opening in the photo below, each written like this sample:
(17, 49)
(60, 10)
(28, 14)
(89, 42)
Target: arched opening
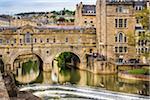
(120, 38)
(1, 66)
(27, 68)
(65, 67)
(67, 60)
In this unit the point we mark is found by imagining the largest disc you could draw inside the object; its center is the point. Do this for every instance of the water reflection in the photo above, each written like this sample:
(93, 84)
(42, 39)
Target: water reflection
(81, 78)
(84, 78)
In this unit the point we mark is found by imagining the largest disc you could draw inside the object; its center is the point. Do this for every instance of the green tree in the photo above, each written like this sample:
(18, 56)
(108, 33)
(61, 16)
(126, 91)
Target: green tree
(144, 17)
(63, 59)
(131, 39)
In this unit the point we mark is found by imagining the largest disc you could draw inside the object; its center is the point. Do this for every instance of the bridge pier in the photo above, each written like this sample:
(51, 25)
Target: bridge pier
(47, 67)
(83, 65)
(8, 67)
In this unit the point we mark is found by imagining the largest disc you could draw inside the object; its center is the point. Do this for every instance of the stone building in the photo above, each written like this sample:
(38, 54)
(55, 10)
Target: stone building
(4, 22)
(116, 27)
(22, 22)
(85, 15)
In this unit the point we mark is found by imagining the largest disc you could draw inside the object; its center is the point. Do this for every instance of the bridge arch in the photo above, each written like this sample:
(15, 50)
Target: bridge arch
(61, 52)
(41, 58)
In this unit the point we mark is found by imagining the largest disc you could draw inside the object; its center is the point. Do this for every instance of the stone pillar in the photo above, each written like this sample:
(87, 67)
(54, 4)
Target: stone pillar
(8, 67)
(101, 27)
(83, 65)
(47, 67)
(98, 26)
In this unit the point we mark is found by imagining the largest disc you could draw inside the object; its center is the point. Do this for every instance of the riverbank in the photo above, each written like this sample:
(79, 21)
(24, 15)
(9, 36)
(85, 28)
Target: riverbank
(139, 77)
(13, 92)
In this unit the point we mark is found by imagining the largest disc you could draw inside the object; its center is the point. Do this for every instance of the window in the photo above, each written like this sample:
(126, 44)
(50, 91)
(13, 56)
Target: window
(28, 37)
(125, 39)
(41, 30)
(54, 40)
(20, 41)
(142, 50)
(41, 40)
(120, 37)
(116, 49)
(120, 23)
(66, 39)
(146, 50)
(7, 41)
(120, 9)
(139, 42)
(120, 49)
(142, 42)
(137, 21)
(146, 42)
(136, 8)
(14, 41)
(116, 23)
(47, 40)
(125, 23)
(125, 49)
(139, 33)
(140, 8)
(35, 40)
(116, 39)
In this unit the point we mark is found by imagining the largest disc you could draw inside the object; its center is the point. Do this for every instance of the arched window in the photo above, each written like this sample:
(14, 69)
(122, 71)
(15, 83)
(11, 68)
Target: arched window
(28, 37)
(121, 38)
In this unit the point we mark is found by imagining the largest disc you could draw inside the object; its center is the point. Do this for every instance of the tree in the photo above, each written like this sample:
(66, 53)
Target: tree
(63, 59)
(131, 39)
(144, 17)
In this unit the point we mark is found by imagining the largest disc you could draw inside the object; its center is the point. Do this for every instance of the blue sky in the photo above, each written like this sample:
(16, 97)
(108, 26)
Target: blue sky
(16, 6)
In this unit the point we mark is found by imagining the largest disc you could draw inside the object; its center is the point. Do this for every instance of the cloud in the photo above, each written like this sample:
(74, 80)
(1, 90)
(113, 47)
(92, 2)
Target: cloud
(15, 6)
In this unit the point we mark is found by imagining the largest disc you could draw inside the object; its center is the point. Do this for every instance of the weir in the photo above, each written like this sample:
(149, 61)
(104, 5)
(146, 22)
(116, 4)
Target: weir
(76, 92)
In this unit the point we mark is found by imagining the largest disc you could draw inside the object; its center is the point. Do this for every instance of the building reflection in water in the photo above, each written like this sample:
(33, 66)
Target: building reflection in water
(83, 78)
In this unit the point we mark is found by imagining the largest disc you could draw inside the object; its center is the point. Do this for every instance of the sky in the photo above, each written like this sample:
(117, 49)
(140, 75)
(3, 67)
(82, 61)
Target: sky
(17, 6)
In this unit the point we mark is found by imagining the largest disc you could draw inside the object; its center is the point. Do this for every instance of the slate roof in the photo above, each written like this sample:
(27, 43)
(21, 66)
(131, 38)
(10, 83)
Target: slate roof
(60, 27)
(4, 19)
(46, 27)
(88, 8)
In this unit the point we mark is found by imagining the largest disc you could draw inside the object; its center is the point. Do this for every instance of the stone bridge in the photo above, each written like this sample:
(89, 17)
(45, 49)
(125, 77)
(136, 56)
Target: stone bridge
(46, 43)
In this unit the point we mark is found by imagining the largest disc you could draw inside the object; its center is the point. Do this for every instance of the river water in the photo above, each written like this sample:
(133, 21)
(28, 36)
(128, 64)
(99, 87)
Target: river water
(73, 84)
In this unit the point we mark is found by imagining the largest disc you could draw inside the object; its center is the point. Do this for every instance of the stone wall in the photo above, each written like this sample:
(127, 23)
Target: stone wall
(3, 91)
